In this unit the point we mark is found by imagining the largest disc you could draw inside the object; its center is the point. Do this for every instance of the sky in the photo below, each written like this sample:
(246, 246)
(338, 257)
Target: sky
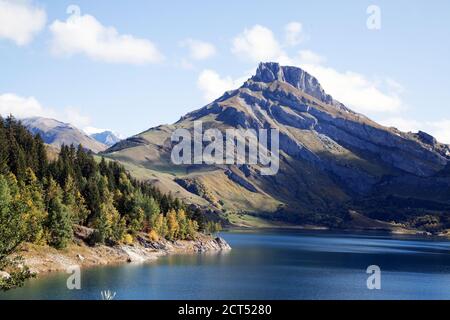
(127, 66)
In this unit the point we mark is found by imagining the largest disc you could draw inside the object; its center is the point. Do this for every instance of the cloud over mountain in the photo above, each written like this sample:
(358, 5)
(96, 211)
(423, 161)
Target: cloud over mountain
(358, 91)
(29, 107)
(213, 85)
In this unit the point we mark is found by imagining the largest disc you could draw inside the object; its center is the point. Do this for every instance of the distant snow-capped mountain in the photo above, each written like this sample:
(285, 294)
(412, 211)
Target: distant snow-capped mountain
(106, 137)
(57, 133)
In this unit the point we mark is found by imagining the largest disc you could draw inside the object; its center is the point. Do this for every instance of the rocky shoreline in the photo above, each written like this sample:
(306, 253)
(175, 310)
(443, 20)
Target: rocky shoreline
(44, 259)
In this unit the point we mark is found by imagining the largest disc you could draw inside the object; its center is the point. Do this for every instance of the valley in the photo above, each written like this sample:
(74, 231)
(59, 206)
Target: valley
(331, 159)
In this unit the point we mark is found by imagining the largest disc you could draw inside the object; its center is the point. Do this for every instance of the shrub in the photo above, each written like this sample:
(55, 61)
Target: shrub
(127, 239)
(153, 235)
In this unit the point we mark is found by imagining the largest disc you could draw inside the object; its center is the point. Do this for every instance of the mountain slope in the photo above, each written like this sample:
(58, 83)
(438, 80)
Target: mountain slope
(331, 158)
(106, 137)
(56, 133)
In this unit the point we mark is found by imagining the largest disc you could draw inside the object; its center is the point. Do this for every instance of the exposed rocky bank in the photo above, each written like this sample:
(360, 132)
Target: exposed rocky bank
(43, 259)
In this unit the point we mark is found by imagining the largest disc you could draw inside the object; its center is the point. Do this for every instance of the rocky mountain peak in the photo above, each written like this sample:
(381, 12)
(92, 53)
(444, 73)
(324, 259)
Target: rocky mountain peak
(107, 137)
(268, 72)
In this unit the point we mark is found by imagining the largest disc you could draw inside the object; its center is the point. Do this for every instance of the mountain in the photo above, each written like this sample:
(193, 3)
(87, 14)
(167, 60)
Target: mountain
(106, 137)
(56, 133)
(335, 164)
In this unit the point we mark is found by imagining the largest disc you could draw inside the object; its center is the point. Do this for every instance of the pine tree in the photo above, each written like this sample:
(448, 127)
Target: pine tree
(192, 228)
(183, 224)
(108, 223)
(41, 157)
(12, 234)
(4, 154)
(75, 202)
(32, 198)
(160, 226)
(135, 219)
(12, 227)
(92, 197)
(59, 223)
(150, 207)
(164, 203)
(172, 225)
(16, 158)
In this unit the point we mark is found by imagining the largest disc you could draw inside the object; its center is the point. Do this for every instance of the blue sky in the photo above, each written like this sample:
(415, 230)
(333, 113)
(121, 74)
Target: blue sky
(128, 66)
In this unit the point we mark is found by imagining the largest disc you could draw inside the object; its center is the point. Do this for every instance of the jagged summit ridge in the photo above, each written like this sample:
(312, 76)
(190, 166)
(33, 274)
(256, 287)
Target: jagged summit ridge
(298, 78)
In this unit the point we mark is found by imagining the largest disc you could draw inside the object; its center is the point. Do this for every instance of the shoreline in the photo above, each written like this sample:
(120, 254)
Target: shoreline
(357, 223)
(364, 230)
(44, 259)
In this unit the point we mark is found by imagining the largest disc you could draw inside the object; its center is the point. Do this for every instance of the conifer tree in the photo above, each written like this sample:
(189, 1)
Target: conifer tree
(150, 207)
(108, 223)
(12, 227)
(41, 157)
(12, 234)
(59, 223)
(75, 202)
(183, 224)
(192, 228)
(31, 196)
(160, 226)
(4, 154)
(172, 225)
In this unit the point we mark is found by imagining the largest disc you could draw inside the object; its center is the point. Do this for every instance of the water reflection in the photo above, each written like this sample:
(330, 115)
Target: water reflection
(272, 264)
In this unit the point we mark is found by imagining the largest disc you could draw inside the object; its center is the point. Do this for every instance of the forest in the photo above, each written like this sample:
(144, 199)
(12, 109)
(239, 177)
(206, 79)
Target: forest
(41, 201)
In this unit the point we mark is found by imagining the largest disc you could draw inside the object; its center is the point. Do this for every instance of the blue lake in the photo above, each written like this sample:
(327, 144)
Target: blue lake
(272, 264)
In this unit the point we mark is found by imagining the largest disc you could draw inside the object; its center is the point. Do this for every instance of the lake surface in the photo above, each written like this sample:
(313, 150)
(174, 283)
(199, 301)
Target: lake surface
(272, 264)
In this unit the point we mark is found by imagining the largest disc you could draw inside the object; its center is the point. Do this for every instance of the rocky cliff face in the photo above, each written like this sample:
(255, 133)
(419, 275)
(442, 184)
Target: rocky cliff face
(46, 259)
(296, 77)
(331, 158)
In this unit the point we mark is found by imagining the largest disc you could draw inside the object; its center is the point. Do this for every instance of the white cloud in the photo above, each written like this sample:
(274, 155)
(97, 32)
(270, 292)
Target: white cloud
(22, 107)
(20, 21)
(85, 35)
(440, 129)
(92, 130)
(258, 44)
(26, 107)
(294, 34)
(356, 90)
(199, 50)
(403, 124)
(213, 85)
(74, 116)
(310, 57)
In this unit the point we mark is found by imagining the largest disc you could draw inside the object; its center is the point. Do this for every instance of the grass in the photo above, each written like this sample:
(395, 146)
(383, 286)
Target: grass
(247, 221)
